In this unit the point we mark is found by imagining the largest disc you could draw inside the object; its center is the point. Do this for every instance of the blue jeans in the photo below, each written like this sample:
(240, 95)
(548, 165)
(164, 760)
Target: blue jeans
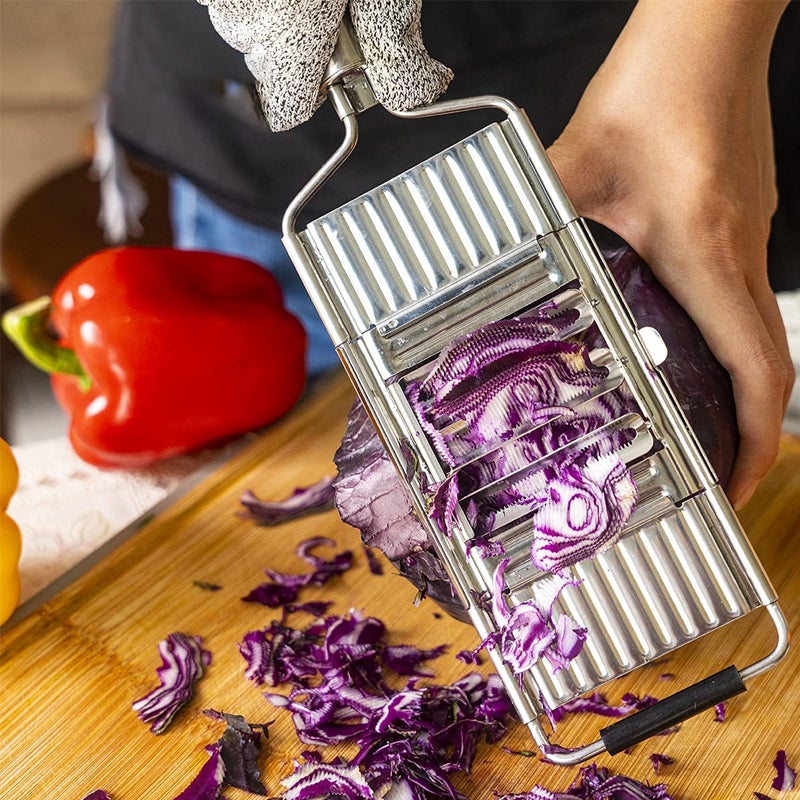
(200, 224)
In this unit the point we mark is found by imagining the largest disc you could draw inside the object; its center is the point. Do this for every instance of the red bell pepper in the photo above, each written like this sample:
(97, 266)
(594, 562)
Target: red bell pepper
(162, 351)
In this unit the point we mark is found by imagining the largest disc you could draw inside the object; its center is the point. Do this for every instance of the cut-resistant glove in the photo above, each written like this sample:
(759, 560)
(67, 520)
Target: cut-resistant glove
(287, 45)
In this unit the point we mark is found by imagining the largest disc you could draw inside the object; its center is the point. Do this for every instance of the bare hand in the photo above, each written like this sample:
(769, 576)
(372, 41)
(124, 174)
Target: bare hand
(671, 148)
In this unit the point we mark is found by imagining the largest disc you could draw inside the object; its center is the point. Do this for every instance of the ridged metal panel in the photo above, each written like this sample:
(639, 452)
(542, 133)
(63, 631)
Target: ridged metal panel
(445, 219)
(655, 590)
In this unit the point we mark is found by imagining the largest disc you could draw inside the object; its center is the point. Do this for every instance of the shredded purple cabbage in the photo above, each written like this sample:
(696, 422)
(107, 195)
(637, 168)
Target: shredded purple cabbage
(480, 349)
(473, 405)
(485, 548)
(183, 663)
(274, 593)
(760, 796)
(499, 406)
(304, 500)
(409, 739)
(719, 712)
(529, 631)
(318, 780)
(283, 588)
(491, 403)
(584, 508)
(597, 783)
(786, 776)
(405, 659)
(208, 782)
(422, 735)
(276, 654)
(659, 760)
(469, 656)
(316, 608)
(341, 649)
(98, 794)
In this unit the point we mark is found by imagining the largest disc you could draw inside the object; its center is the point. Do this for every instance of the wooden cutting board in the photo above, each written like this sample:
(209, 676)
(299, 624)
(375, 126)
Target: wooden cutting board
(70, 671)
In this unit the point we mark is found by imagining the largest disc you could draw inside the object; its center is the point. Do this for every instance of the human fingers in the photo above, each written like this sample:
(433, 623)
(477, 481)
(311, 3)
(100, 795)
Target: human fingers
(709, 283)
(767, 305)
(401, 72)
(287, 45)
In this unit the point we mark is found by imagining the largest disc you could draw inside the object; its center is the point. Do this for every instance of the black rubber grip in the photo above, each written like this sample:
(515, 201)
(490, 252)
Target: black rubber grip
(671, 710)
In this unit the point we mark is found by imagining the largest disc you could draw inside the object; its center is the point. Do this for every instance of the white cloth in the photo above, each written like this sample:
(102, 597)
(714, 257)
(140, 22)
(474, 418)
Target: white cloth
(66, 508)
(789, 304)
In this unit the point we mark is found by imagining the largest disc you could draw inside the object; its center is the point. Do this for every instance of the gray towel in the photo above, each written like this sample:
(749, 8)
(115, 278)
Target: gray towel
(288, 44)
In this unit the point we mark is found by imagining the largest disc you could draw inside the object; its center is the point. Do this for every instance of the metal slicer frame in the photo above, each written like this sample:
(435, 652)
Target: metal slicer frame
(484, 231)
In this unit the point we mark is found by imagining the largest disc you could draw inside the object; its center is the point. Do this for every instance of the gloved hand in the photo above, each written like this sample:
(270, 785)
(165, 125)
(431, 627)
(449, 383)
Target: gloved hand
(288, 44)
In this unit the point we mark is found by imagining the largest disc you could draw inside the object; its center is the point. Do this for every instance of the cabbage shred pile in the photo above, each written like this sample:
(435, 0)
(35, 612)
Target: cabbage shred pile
(409, 739)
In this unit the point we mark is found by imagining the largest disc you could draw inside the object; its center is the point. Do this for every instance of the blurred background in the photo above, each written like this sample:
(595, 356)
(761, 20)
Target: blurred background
(53, 60)
(53, 56)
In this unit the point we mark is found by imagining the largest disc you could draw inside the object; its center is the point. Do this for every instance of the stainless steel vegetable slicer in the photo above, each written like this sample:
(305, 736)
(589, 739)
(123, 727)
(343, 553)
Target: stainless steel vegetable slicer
(481, 232)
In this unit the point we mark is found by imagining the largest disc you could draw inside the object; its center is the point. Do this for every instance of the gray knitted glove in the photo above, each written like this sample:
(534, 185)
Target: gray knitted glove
(288, 44)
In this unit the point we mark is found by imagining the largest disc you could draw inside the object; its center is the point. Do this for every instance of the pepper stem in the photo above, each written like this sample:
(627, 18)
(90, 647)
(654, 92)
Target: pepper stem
(26, 326)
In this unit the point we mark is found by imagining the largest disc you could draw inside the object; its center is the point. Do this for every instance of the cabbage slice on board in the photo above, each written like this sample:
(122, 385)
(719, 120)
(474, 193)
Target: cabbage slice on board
(183, 663)
(512, 393)
(786, 776)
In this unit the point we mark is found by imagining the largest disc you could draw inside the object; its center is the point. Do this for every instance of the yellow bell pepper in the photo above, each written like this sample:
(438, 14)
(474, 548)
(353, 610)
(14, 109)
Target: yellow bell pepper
(10, 538)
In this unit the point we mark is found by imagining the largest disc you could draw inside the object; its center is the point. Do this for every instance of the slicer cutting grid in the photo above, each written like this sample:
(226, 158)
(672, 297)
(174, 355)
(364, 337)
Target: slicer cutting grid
(482, 233)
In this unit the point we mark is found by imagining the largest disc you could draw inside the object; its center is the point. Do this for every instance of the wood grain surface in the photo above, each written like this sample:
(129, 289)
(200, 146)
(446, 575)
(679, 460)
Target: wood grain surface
(70, 671)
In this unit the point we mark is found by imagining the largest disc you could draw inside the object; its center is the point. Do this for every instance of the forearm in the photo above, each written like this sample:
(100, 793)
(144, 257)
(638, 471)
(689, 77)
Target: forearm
(713, 43)
(739, 30)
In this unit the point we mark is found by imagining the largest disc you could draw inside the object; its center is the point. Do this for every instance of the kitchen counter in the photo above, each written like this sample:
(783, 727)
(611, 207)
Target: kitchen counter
(71, 668)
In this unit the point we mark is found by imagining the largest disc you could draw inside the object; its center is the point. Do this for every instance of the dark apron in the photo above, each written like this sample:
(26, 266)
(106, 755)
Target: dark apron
(172, 104)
